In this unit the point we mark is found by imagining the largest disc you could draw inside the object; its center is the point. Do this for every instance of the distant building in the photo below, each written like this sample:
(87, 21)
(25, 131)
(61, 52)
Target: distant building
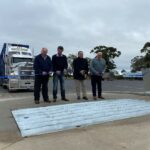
(131, 75)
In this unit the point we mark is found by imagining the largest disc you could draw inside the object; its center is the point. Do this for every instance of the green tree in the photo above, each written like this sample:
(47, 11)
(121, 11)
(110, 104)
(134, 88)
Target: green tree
(139, 62)
(71, 57)
(123, 71)
(109, 54)
(89, 60)
(146, 51)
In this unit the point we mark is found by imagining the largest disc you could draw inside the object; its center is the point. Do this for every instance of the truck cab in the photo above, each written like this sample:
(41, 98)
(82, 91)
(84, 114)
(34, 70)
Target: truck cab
(17, 67)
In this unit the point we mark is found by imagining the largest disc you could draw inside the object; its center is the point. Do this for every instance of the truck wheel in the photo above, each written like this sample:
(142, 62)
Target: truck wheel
(4, 86)
(10, 90)
(31, 90)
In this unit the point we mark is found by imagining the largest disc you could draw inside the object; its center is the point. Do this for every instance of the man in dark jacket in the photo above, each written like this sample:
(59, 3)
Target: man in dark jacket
(60, 65)
(42, 67)
(80, 66)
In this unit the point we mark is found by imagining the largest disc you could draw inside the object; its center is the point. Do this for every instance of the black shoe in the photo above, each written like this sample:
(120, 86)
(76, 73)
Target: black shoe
(37, 102)
(85, 98)
(101, 97)
(64, 99)
(78, 98)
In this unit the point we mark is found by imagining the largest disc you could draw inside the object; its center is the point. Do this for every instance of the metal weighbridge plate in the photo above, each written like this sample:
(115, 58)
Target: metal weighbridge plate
(36, 121)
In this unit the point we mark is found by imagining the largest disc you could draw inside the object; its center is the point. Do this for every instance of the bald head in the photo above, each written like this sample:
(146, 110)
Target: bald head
(44, 51)
(99, 55)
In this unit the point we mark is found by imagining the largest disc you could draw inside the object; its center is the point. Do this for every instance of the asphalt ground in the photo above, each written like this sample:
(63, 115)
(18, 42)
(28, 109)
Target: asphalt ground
(125, 86)
(128, 134)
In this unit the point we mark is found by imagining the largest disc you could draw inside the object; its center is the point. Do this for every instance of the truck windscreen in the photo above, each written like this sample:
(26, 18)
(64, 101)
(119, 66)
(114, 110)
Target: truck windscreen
(18, 60)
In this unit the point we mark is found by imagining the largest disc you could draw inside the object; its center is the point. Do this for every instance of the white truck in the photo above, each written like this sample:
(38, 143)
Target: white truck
(16, 67)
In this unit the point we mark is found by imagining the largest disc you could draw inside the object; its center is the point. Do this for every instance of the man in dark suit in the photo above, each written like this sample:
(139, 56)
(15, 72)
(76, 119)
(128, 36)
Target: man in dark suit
(60, 65)
(80, 66)
(42, 67)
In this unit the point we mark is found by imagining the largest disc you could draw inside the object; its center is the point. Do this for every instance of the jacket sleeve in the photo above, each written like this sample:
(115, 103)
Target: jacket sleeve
(92, 69)
(53, 64)
(87, 67)
(50, 64)
(76, 67)
(66, 63)
(36, 67)
(73, 64)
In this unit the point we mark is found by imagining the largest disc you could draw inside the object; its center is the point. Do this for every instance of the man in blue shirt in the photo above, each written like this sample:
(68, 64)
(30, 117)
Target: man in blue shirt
(42, 67)
(97, 69)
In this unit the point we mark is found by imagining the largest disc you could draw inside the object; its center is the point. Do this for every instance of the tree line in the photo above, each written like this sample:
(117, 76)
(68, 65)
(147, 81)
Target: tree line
(141, 62)
(110, 53)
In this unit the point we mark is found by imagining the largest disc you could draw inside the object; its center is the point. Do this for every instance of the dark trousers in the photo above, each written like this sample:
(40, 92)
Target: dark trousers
(59, 78)
(96, 82)
(41, 81)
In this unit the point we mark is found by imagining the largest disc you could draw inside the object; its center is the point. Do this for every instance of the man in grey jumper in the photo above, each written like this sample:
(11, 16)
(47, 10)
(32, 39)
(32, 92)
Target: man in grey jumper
(97, 69)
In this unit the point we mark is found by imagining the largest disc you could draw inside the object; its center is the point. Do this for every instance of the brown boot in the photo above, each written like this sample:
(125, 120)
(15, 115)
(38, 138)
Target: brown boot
(37, 102)
(65, 99)
(101, 97)
(47, 101)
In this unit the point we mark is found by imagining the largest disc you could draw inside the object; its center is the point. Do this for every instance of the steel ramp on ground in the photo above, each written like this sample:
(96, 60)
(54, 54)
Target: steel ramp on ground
(37, 121)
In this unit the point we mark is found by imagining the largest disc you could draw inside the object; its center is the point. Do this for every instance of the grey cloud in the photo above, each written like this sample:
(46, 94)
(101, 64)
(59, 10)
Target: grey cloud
(77, 25)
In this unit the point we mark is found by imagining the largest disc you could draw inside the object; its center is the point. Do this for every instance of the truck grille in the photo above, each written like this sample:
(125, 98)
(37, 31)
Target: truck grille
(27, 77)
(26, 73)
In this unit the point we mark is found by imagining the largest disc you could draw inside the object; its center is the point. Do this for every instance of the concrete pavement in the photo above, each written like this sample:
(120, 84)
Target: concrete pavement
(133, 134)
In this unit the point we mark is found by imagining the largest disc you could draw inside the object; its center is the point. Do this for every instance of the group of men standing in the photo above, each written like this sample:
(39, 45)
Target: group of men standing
(44, 67)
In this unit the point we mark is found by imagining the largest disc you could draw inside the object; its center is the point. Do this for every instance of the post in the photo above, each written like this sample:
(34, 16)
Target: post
(146, 73)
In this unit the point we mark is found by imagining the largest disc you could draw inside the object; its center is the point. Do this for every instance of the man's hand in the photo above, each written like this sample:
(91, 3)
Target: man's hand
(58, 72)
(44, 73)
(50, 73)
(82, 72)
(65, 71)
(97, 73)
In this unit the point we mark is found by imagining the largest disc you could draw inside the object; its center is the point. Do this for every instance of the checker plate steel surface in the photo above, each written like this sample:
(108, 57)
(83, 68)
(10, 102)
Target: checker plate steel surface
(42, 120)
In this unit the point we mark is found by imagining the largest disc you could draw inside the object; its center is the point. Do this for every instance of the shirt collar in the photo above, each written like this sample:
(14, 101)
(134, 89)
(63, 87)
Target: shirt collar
(44, 57)
(59, 55)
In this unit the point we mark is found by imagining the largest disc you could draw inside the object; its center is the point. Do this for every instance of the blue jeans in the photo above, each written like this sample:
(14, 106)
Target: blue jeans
(59, 78)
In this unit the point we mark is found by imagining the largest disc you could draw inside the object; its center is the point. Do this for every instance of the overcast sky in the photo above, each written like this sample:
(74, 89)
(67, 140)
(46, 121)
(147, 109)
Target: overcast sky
(77, 25)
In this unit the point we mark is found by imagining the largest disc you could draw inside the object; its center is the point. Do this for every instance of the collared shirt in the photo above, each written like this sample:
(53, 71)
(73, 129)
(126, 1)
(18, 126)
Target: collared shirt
(97, 66)
(59, 55)
(44, 57)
